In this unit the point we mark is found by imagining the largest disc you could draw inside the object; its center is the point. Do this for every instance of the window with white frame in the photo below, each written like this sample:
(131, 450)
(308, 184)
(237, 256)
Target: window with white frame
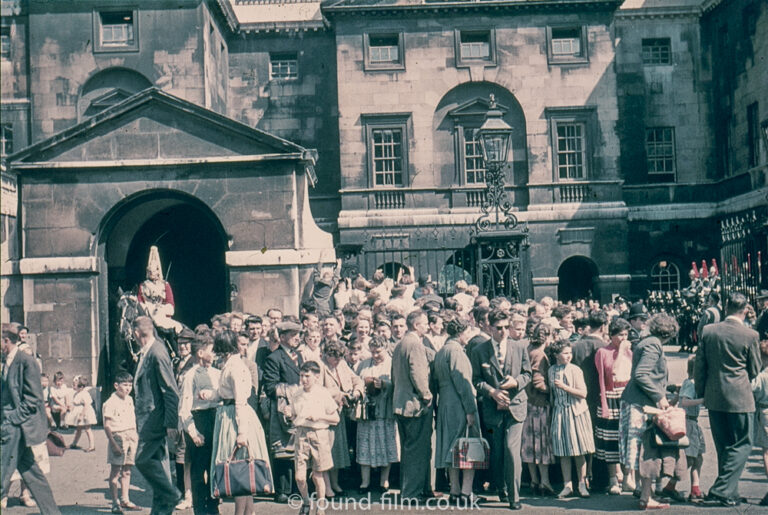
(572, 131)
(283, 66)
(5, 43)
(387, 145)
(657, 51)
(115, 31)
(474, 164)
(6, 139)
(384, 51)
(475, 47)
(660, 153)
(665, 276)
(571, 146)
(567, 45)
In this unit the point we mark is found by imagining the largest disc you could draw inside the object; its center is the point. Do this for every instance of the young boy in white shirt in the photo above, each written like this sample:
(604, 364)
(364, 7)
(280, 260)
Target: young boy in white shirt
(120, 428)
(313, 410)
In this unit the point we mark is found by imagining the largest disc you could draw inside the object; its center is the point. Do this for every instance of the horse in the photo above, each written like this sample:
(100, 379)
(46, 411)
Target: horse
(130, 308)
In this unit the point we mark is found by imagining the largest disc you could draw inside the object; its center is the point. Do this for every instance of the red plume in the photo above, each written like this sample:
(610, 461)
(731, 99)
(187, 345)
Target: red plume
(704, 271)
(695, 269)
(714, 264)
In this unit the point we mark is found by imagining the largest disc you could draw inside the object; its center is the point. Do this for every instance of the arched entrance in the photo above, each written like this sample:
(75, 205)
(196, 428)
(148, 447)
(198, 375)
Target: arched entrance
(577, 279)
(192, 245)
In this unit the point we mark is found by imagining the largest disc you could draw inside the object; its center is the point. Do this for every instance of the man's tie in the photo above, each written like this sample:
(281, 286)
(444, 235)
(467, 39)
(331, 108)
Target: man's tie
(294, 357)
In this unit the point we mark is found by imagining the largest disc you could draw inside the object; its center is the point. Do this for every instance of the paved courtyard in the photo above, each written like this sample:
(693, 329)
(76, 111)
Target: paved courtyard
(79, 485)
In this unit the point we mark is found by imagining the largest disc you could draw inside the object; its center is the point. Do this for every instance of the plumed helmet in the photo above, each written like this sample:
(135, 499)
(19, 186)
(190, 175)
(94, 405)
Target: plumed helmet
(153, 264)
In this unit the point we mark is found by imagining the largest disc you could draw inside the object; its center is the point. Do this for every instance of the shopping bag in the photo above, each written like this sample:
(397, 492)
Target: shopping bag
(471, 452)
(241, 477)
(671, 421)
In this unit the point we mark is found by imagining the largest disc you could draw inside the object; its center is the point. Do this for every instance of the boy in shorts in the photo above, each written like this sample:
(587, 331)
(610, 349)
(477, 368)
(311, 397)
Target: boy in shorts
(120, 428)
(312, 411)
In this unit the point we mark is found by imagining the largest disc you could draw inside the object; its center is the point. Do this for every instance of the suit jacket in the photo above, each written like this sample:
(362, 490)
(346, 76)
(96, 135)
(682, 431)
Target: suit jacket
(648, 383)
(584, 351)
(157, 394)
(410, 377)
(22, 399)
(488, 374)
(279, 368)
(727, 360)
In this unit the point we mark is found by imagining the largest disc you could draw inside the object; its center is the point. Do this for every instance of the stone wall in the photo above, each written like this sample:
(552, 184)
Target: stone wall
(62, 57)
(303, 110)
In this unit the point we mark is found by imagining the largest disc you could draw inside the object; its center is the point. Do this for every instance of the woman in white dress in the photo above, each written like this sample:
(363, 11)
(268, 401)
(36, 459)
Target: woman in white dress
(237, 425)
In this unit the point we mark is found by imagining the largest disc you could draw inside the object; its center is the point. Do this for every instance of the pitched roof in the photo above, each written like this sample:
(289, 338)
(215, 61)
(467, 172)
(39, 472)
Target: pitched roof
(335, 7)
(155, 98)
(273, 15)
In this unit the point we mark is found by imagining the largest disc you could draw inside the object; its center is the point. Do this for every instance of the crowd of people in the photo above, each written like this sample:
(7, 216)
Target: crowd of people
(372, 385)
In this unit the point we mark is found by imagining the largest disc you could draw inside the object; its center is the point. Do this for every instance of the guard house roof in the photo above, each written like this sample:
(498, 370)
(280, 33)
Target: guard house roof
(273, 15)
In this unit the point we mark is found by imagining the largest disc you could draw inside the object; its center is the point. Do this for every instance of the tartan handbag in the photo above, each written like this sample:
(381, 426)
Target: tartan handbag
(235, 478)
(471, 452)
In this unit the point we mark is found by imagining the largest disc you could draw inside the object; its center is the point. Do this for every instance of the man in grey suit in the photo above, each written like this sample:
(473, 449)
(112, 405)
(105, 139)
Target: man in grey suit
(23, 421)
(412, 403)
(157, 415)
(727, 360)
(501, 369)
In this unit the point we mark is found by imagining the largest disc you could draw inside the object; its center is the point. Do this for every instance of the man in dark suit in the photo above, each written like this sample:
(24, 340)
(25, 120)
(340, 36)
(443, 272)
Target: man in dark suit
(157, 415)
(727, 360)
(501, 369)
(412, 403)
(23, 421)
(584, 351)
(281, 366)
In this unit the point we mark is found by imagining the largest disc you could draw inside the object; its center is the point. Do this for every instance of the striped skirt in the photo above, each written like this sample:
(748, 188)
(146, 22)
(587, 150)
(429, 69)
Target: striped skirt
(607, 428)
(571, 433)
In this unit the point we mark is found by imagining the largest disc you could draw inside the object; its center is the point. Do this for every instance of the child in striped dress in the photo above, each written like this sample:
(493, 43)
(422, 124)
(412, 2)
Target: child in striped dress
(571, 427)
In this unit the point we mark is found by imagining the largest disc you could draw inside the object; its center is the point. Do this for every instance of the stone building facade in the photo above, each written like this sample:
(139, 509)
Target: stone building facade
(273, 134)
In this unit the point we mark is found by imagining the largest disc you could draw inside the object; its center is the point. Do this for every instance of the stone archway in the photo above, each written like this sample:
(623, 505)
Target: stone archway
(577, 279)
(192, 245)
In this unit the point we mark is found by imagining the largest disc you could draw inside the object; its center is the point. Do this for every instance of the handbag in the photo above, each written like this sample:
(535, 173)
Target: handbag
(242, 477)
(55, 444)
(671, 422)
(660, 439)
(471, 452)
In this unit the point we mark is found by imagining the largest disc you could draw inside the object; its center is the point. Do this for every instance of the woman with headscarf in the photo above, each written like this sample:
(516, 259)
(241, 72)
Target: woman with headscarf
(457, 406)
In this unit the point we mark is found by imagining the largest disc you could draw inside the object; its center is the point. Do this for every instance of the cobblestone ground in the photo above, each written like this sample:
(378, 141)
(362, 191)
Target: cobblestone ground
(79, 484)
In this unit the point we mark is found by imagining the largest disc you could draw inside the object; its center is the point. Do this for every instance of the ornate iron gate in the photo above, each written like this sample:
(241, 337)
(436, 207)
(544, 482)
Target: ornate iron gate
(501, 260)
(744, 252)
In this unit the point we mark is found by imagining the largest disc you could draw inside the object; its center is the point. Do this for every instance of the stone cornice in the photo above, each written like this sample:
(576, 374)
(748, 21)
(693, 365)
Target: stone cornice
(658, 12)
(340, 9)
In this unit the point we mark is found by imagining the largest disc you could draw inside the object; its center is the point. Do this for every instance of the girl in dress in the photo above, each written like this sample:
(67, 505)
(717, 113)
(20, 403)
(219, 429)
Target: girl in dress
(82, 416)
(237, 425)
(377, 444)
(571, 427)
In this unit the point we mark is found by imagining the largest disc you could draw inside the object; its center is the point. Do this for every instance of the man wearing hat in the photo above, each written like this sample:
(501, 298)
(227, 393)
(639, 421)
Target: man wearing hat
(282, 367)
(638, 318)
(762, 320)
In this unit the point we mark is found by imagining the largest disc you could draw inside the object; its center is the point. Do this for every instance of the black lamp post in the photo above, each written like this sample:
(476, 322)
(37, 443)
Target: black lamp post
(495, 135)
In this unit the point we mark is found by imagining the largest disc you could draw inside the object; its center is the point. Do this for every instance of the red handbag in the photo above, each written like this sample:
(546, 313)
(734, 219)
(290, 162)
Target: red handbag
(671, 421)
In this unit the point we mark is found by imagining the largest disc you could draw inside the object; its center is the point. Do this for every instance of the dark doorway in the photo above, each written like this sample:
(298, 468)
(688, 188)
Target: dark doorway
(576, 279)
(192, 256)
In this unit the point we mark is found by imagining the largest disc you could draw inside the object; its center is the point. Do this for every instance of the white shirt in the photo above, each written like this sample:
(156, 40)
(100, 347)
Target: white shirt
(195, 380)
(120, 412)
(317, 402)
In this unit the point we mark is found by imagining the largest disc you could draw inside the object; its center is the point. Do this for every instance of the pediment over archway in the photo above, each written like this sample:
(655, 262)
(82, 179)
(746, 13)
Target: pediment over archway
(155, 127)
